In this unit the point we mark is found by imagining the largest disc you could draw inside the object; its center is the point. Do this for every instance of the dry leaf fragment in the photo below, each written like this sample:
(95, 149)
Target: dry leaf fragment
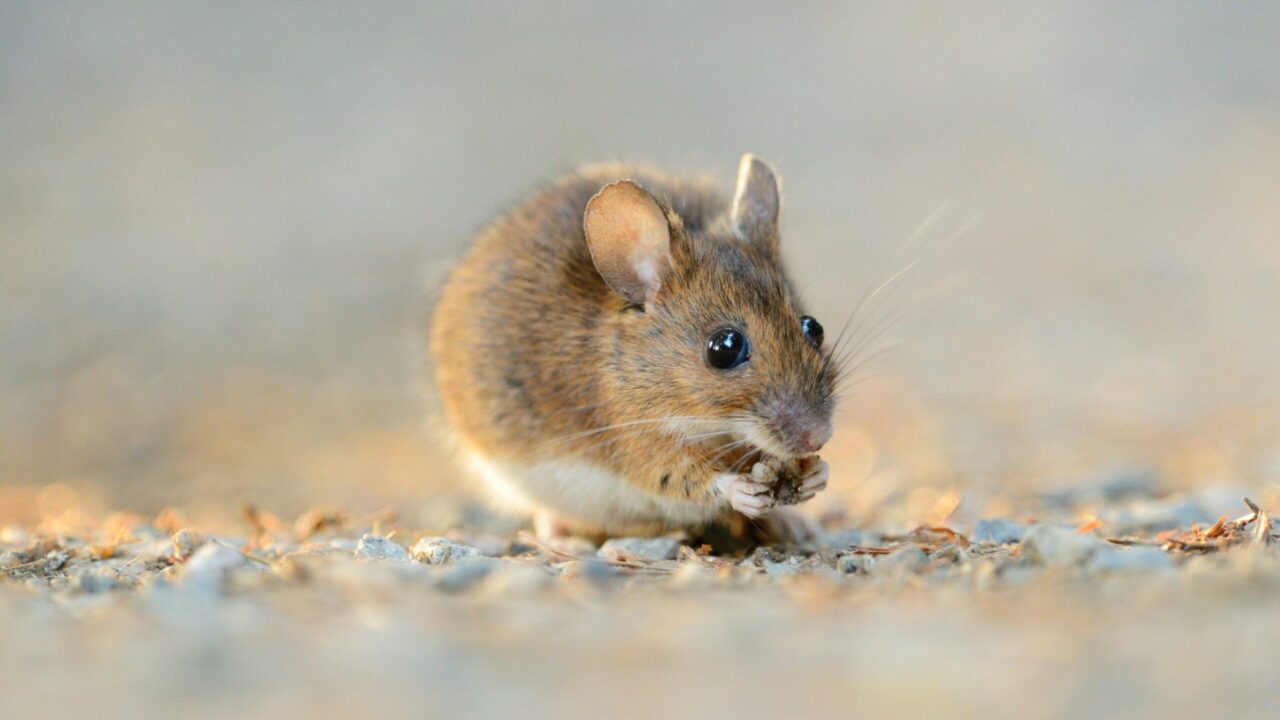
(1218, 528)
(923, 532)
(862, 550)
(316, 520)
(1089, 526)
(171, 520)
(943, 508)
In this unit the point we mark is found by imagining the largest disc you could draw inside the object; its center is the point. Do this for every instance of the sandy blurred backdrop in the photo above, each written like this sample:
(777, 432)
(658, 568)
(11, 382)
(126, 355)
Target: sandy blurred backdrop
(220, 224)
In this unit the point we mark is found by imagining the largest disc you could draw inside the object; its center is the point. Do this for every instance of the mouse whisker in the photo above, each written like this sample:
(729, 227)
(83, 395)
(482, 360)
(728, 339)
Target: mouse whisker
(853, 370)
(729, 447)
(874, 333)
(629, 426)
(854, 360)
(869, 297)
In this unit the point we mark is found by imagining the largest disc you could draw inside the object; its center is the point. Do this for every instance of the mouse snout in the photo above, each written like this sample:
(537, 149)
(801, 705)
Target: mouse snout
(801, 431)
(814, 438)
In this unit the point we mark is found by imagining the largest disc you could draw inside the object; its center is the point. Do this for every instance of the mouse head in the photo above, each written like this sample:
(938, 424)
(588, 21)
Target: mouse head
(707, 331)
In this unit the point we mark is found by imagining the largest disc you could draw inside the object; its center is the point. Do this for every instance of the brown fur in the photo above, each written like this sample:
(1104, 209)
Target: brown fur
(535, 353)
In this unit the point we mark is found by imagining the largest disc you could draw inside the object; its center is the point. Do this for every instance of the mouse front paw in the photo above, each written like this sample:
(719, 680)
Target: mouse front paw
(746, 494)
(793, 481)
(813, 477)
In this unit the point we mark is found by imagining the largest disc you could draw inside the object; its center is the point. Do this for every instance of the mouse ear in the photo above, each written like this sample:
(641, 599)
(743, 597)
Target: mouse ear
(629, 239)
(755, 202)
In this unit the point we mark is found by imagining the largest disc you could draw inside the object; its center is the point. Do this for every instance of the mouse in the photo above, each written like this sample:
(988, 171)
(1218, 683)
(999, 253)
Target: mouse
(623, 353)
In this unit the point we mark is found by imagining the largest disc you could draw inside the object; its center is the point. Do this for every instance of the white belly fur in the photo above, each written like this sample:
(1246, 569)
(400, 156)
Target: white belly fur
(575, 490)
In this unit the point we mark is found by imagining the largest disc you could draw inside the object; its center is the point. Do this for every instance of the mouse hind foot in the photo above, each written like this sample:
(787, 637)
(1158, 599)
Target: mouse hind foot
(547, 526)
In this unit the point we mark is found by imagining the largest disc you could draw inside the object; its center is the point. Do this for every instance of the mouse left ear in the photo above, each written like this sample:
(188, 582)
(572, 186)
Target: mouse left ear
(755, 203)
(629, 239)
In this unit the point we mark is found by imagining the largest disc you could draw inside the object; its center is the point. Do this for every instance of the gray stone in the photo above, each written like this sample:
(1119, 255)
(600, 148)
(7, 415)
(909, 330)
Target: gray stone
(851, 563)
(572, 546)
(518, 578)
(1000, 531)
(1137, 559)
(641, 549)
(209, 567)
(54, 560)
(96, 582)
(159, 550)
(440, 551)
(593, 570)
(1153, 515)
(373, 547)
(467, 573)
(1058, 546)
(782, 569)
(186, 542)
(906, 559)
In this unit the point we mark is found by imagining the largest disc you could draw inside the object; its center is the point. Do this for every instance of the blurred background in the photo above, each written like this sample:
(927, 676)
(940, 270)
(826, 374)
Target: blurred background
(220, 227)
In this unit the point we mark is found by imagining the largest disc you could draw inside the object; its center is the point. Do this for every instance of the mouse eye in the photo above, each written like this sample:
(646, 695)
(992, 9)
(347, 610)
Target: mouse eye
(727, 348)
(812, 330)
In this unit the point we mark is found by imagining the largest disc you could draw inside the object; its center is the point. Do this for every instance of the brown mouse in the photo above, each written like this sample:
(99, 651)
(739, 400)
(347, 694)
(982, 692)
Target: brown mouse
(622, 353)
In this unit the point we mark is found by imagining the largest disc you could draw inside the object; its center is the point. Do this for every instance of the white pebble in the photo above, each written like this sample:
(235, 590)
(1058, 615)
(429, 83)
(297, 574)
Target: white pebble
(374, 547)
(1058, 546)
(439, 551)
(641, 549)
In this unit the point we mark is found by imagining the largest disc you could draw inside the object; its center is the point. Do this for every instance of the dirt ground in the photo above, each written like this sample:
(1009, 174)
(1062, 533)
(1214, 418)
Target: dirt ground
(1076, 605)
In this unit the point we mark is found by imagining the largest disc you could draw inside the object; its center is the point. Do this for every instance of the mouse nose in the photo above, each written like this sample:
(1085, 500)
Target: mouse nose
(801, 430)
(814, 438)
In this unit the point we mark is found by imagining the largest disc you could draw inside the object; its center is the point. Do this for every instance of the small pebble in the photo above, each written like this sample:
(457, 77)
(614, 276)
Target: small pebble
(516, 578)
(1138, 559)
(1058, 546)
(95, 582)
(640, 549)
(1000, 531)
(592, 570)
(210, 565)
(439, 551)
(374, 547)
(904, 560)
(1145, 516)
(851, 564)
(780, 569)
(186, 542)
(467, 573)
(54, 560)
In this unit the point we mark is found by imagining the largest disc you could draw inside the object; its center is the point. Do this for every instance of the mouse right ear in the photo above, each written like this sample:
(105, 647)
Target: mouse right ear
(629, 239)
(755, 203)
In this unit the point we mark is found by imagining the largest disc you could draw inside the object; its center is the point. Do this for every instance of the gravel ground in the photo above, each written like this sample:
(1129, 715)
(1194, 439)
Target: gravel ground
(1152, 606)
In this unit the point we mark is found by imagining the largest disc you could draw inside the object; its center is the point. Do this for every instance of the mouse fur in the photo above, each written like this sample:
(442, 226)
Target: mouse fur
(570, 343)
